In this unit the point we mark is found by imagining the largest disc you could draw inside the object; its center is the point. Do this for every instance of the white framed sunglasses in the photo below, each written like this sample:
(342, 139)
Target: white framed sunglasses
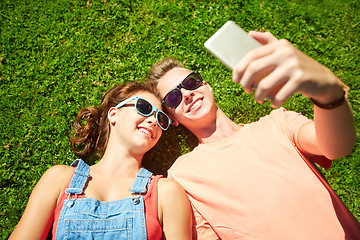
(145, 108)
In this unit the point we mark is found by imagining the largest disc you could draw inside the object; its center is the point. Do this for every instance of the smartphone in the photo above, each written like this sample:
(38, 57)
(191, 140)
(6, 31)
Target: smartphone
(230, 43)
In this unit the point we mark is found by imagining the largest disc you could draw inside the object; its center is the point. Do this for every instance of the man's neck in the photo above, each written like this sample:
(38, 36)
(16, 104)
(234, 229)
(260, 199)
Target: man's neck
(218, 128)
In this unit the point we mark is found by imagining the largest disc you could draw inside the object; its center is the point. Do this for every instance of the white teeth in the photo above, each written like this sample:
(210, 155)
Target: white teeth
(195, 105)
(145, 131)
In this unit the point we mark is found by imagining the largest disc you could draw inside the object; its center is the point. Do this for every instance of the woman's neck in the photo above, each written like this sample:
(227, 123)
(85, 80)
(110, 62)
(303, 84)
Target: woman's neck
(118, 160)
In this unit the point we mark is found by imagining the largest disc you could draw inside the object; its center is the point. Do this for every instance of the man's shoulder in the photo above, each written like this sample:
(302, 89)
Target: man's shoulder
(182, 162)
(185, 156)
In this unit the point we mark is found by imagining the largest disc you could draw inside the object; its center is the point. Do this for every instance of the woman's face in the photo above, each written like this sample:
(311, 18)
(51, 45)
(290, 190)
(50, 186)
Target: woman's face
(135, 131)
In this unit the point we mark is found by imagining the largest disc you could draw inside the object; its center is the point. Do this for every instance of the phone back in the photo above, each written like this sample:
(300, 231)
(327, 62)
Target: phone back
(230, 43)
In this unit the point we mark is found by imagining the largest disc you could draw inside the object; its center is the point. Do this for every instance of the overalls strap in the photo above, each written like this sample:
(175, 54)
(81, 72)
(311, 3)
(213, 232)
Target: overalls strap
(141, 182)
(81, 175)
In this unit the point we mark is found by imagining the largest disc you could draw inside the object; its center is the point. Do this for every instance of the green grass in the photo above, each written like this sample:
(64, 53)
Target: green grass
(59, 56)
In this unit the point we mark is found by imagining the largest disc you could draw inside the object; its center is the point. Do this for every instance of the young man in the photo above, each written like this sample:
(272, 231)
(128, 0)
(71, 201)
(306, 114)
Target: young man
(256, 181)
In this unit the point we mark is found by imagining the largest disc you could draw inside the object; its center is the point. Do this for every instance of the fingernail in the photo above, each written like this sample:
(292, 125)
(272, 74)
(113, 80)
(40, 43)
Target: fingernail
(235, 78)
(248, 91)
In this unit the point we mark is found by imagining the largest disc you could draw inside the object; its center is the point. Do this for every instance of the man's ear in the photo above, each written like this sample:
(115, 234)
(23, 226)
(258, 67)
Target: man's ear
(112, 115)
(207, 85)
(174, 122)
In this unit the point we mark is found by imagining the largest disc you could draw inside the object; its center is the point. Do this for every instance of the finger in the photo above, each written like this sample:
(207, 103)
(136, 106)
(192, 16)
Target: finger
(271, 85)
(263, 37)
(284, 93)
(290, 87)
(257, 70)
(250, 57)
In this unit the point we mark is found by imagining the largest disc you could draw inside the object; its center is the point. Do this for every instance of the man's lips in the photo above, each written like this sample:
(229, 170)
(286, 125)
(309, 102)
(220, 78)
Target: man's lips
(195, 104)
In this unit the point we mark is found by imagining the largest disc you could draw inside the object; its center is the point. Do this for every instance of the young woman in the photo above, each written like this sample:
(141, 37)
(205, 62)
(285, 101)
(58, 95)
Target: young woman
(115, 198)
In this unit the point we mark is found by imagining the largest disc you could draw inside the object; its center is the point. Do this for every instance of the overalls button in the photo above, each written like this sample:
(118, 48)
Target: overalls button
(135, 200)
(70, 203)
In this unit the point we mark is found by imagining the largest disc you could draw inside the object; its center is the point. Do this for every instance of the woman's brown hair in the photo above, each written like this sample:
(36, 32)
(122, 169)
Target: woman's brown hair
(91, 128)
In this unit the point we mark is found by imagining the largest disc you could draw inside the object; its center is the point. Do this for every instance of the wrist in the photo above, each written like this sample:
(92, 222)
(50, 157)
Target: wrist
(333, 103)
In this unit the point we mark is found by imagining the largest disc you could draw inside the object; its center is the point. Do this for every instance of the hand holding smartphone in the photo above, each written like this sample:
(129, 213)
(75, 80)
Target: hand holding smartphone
(230, 43)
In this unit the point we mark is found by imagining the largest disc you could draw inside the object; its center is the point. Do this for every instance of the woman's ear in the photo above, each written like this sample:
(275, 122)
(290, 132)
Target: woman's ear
(112, 115)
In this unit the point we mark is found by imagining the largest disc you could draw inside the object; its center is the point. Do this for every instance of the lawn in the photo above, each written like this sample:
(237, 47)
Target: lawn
(59, 56)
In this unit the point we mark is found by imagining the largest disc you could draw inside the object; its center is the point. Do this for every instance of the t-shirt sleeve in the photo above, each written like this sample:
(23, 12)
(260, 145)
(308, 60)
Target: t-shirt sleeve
(202, 230)
(290, 123)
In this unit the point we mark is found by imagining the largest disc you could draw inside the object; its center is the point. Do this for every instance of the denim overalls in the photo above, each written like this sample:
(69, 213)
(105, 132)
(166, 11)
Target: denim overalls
(89, 218)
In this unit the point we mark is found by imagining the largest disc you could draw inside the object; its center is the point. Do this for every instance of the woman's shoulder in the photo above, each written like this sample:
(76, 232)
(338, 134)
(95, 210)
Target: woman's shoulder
(174, 209)
(171, 194)
(169, 186)
(58, 176)
(59, 171)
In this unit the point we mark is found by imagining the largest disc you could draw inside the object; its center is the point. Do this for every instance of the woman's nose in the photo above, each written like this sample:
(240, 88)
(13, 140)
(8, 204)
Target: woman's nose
(152, 120)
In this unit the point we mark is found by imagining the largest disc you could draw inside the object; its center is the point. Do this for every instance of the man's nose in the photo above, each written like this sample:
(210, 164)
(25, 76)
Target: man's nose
(187, 95)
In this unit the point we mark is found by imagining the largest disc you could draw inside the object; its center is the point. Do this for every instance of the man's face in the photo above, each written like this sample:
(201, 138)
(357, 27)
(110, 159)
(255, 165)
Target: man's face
(195, 104)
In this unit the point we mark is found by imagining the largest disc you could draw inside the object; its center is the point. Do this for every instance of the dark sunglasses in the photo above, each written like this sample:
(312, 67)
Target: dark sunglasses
(173, 98)
(145, 108)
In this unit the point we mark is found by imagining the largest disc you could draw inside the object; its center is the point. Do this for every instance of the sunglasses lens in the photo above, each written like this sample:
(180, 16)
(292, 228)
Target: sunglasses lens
(173, 98)
(144, 107)
(163, 120)
(192, 82)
